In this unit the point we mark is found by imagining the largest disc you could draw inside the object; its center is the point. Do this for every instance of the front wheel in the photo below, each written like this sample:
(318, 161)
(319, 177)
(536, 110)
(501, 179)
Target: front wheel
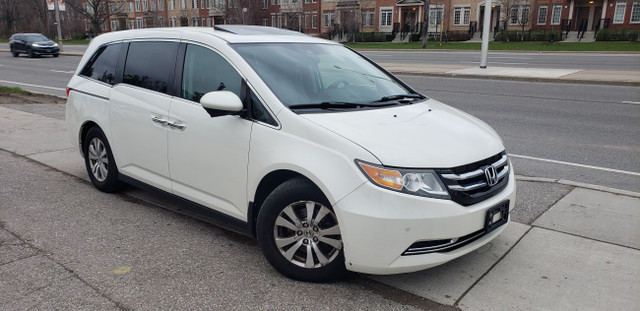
(14, 53)
(99, 161)
(30, 53)
(299, 234)
(56, 55)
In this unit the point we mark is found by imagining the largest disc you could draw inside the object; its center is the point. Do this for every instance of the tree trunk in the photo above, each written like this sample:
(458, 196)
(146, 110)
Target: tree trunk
(425, 27)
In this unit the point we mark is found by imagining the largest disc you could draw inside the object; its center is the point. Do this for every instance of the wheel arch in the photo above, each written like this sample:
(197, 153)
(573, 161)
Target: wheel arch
(83, 133)
(269, 183)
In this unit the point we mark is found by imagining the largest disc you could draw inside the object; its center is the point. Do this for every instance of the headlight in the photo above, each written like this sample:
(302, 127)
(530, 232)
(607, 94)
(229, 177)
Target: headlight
(55, 45)
(35, 45)
(424, 183)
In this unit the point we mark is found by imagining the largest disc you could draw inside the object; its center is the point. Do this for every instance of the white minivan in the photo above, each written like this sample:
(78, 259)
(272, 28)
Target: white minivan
(330, 161)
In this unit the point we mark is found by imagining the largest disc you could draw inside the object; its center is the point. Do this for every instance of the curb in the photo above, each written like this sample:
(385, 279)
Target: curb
(526, 79)
(579, 185)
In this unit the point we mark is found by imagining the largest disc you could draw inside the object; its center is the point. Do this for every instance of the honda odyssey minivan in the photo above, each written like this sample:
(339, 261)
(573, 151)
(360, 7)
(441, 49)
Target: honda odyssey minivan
(331, 162)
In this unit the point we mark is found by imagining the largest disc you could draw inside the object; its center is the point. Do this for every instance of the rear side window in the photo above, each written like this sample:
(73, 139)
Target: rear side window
(206, 71)
(102, 65)
(150, 65)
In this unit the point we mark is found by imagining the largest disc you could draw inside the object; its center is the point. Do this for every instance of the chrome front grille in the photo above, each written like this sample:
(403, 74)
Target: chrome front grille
(475, 182)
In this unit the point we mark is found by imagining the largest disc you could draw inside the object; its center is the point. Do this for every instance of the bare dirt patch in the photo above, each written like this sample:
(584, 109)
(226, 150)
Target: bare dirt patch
(44, 105)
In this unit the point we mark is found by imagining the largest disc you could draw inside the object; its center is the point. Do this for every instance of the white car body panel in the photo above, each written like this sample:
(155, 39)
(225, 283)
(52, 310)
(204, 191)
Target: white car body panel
(208, 159)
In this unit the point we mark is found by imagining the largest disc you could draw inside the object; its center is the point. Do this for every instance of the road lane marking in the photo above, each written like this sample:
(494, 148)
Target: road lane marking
(34, 85)
(612, 170)
(493, 63)
(511, 57)
(61, 71)
(630, 102)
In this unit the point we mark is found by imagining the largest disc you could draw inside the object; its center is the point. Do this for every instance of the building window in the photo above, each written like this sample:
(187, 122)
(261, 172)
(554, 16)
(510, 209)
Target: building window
(137, 5)
(328, 20)
(194, 21)
(114, 25)
(556, 14)
(386, 17)
(618, 16)
(160, 5)
(132, 24)
(161, 21)
(314, 20)
(461, 15)
(130, 6)
(145, 5)
(171, 4)
(194, 4)
(265, 4)
(139, 22)
(273, 20)
(542, 15)
(273, 2)
(635, 12)
(519, 15)
(435, 15)
(265, 22)
(183, 4)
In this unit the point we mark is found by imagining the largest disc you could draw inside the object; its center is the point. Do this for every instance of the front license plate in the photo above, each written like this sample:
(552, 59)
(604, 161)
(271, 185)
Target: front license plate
(496, 216)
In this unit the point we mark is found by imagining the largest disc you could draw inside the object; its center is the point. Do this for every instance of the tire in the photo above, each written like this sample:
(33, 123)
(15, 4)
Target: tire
(99, 161)
(14, 53)
(30, 53)
(284, 216)
(56, 55)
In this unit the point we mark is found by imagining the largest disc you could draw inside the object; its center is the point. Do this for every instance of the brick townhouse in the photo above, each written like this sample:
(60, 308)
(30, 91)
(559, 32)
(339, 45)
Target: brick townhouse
(403, 17)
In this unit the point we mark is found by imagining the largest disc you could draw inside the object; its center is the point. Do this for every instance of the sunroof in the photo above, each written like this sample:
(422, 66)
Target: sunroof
(256, 30)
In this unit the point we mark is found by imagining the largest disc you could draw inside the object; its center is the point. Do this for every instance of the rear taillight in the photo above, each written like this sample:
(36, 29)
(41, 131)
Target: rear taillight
(68, 90)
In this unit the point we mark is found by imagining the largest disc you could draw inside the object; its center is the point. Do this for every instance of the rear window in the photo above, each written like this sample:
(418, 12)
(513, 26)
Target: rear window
(102, 65)
(150, 65)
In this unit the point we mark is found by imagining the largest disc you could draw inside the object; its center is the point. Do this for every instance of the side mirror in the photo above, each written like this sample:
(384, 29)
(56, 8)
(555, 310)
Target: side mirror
(221, 103)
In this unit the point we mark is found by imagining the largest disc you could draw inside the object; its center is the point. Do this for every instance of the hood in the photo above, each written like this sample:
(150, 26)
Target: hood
(423, 135)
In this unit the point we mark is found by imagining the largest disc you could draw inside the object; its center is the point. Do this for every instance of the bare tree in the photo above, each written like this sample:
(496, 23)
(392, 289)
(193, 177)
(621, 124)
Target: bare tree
(425, 26)
(96, 12)
(247, 12)
(506, 6)
(9, 14)
(524, 15)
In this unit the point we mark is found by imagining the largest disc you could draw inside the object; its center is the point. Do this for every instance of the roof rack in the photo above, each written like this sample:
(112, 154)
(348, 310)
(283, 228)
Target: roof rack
(249, 30)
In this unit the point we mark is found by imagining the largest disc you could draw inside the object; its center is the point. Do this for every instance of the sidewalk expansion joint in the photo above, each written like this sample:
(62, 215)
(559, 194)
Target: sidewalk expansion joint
(457, 303)
(578, 185)
(584, 237)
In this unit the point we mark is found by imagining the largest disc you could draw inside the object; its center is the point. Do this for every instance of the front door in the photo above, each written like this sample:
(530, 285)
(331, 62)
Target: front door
(208, 156)
(582, 19)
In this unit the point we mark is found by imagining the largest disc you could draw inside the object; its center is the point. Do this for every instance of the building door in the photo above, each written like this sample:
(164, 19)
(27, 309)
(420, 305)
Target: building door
(582, 18)
(596, 18)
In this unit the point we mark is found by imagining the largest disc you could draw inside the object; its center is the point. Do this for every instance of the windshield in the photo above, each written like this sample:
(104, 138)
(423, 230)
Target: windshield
(36, 38)
(315, 73)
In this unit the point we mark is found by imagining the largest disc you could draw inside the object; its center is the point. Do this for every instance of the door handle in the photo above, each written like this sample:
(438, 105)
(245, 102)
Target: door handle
(159, 120)
(179, 126)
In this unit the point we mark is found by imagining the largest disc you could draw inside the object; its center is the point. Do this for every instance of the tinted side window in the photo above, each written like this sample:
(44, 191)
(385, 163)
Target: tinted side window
(150, 65)
(102, 65)
(206, 71)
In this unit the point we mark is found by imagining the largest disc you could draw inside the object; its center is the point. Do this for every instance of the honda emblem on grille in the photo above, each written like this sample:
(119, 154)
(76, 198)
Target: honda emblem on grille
(491, 175)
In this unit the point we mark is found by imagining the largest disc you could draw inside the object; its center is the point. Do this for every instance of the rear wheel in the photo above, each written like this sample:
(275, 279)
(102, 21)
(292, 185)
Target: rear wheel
(299, 234)
(99, 161)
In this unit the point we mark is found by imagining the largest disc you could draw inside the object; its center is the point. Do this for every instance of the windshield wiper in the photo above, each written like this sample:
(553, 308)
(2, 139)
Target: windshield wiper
(333, 104)
(399, 96)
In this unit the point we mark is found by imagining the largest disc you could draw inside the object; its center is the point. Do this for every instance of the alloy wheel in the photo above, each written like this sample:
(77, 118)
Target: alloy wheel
(307, 234)
(98, 159)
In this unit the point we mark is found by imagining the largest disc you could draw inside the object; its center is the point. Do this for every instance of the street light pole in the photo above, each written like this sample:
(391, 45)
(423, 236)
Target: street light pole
(485, 33)
(57, 10)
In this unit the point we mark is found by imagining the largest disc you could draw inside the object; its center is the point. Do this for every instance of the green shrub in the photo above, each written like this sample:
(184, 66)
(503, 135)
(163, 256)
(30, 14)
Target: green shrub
(618, 35)
(529, 35)
(371, 37)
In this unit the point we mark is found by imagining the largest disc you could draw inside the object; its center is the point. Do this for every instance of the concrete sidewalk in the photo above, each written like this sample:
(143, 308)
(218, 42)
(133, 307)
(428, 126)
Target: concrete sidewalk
(580, 254)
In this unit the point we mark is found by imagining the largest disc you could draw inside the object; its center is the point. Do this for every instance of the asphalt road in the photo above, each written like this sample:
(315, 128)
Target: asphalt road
(585, 126)
(583, 61)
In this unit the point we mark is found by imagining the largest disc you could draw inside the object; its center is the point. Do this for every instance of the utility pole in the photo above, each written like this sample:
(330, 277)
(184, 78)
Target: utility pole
(485, 33)
(57, 9)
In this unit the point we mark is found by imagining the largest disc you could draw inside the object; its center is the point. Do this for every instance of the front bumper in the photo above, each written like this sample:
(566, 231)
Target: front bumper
(45, 50)
(379, 225)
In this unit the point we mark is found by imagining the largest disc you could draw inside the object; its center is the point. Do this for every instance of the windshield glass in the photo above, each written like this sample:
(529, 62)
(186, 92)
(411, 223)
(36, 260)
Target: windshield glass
(314, 73)
(36, 38)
